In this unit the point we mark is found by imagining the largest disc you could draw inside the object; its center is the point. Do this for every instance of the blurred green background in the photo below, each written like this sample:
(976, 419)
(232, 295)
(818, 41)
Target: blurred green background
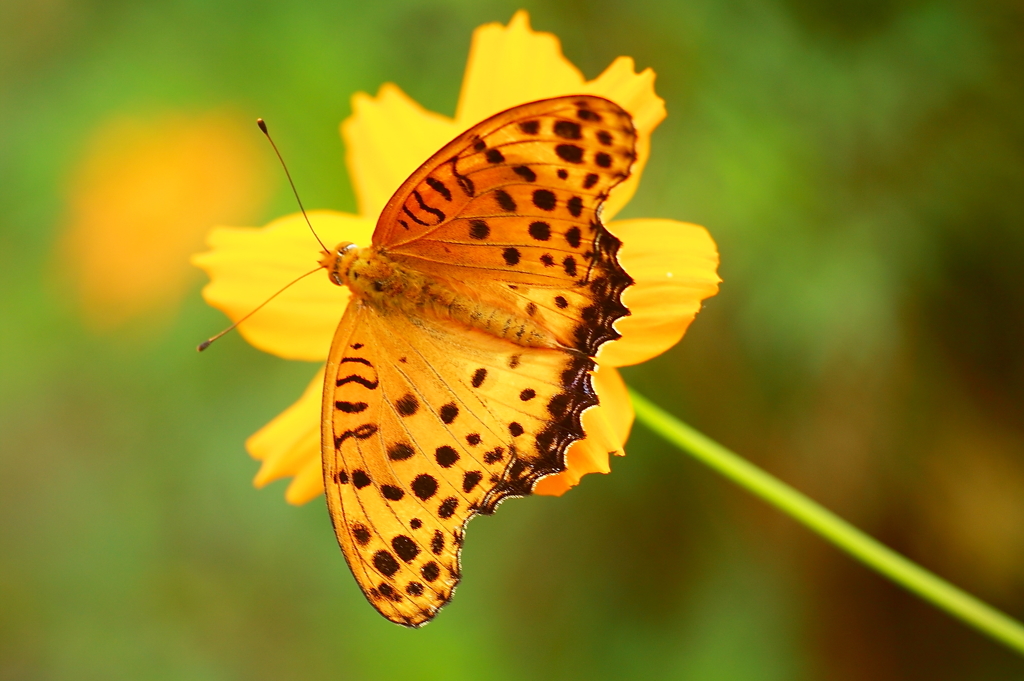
(861, 165)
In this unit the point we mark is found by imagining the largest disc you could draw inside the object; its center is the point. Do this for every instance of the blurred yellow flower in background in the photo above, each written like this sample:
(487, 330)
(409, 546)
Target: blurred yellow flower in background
(141, 200)
(387, 137)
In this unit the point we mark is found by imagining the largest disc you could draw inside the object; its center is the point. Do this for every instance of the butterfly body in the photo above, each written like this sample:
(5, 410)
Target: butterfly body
(392, 288)
(460, 371)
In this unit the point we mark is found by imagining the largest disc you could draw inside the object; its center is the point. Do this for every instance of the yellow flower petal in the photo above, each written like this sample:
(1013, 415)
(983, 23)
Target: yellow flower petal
(307, 485)
(387, 137)
(512, 65)
(607, 427)
(675, 267)
(248, 265)
(290, 446)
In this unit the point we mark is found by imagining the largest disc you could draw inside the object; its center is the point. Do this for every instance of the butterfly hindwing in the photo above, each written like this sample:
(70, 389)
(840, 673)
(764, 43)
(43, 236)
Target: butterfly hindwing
(355, 476)
(426, 426)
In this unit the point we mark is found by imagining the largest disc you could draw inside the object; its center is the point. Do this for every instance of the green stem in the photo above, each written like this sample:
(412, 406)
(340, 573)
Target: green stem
(884, 560)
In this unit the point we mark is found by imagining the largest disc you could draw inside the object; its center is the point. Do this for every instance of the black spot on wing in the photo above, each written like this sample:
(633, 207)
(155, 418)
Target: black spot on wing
(448, 507)
(479, 230)
(573, 237)
(387, 590)
(525, 173)
(569, 130)
(407, 405)
(530, 127)
(400, 451)
(446, 456)
(569, 265)
(392, 493)
(544, 199)
(385, 562)
(424, 486)
(505, 201)
(449, 412)
(470, 480)
(405, 547)
(430, 571)
(361, 533)
(541, 231)
(570, 153)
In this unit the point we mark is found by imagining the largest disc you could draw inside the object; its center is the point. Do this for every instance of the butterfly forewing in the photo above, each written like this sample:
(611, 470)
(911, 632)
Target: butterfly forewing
(512, 207)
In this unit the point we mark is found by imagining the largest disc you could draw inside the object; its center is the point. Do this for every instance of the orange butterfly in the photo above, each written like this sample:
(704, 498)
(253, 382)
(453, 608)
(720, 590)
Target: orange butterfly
(461, 367)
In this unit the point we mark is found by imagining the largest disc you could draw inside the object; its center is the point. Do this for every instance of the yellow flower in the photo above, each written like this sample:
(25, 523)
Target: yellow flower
(387, 137)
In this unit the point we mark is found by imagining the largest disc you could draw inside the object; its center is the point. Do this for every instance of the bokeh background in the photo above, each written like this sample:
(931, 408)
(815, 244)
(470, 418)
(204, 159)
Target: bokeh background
(861, 165)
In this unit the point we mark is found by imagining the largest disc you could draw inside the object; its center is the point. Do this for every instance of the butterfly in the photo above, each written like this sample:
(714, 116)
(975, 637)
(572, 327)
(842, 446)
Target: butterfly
(461, 367)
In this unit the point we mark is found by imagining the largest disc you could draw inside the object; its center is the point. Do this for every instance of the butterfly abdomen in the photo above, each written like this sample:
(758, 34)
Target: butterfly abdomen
(389, 287)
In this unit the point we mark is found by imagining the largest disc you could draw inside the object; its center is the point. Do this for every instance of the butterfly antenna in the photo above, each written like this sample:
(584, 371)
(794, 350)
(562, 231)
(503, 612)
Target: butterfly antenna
(206, 343)
(263, 127)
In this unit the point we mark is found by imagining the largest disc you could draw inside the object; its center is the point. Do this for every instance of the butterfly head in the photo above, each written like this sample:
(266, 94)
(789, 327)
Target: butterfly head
(338, 262)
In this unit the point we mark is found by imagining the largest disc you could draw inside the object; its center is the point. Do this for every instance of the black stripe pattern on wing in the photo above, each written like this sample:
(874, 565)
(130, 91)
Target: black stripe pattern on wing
(565, 411)
(606, 281)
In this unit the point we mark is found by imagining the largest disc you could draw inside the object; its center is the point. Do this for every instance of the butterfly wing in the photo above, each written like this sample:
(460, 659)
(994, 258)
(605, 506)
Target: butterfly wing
(512, 207)
(426, 425)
